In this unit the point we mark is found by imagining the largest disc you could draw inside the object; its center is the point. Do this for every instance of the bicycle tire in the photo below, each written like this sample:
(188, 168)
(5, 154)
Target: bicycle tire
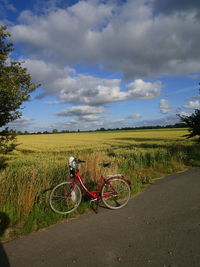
(119, 200)
(65, 198)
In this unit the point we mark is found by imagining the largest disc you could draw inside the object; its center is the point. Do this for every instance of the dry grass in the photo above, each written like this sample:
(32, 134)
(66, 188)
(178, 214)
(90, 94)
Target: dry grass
(91, 169)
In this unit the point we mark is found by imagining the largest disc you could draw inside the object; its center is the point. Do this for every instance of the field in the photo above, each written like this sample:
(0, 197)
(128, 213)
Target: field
(41, 161)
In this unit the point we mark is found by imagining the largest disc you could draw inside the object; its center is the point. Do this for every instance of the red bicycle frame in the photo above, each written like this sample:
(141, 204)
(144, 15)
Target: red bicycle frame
(96, 194)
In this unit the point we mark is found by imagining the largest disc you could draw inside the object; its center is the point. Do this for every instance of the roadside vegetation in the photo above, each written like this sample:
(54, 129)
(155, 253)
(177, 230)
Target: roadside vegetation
(41, 161)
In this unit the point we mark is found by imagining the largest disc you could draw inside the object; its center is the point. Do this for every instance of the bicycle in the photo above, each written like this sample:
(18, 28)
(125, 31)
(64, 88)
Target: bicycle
(113, 190)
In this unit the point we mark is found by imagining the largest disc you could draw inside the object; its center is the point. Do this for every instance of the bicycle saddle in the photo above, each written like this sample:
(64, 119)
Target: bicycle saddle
(105, 165)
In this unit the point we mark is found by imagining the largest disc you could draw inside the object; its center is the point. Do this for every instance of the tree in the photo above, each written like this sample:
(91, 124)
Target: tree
(193, 123)
(54, 131)
(15, 88)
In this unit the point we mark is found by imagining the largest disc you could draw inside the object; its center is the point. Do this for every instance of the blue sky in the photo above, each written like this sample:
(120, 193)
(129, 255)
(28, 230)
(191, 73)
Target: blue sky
(106, 63)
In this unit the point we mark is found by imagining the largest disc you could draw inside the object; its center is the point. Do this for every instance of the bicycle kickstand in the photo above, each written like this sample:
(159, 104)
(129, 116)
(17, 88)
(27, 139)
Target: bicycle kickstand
(96, 201)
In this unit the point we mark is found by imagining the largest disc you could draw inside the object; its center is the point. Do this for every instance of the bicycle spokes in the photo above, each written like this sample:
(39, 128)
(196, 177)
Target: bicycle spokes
(65, 198)
(116, 193)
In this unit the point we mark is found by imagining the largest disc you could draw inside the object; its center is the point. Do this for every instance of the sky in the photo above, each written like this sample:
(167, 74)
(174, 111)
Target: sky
(106, 64)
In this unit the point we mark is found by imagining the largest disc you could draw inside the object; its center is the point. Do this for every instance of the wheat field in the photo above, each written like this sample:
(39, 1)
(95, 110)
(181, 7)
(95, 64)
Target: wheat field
(80, 141)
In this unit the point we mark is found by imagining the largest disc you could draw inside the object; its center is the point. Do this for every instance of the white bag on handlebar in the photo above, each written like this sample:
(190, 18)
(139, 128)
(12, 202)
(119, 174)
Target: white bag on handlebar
(72, 162)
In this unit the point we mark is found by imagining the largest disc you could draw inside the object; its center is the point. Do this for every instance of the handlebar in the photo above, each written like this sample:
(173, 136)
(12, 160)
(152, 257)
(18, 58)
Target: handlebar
(73, 161)
(79, 161)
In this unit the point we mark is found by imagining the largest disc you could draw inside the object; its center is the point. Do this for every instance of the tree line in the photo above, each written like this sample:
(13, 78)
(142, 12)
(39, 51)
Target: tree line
(55, 131)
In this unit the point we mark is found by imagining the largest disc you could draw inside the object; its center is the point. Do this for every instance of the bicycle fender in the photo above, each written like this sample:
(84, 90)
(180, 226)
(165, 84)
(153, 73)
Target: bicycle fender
(120, 177)
(73, 181)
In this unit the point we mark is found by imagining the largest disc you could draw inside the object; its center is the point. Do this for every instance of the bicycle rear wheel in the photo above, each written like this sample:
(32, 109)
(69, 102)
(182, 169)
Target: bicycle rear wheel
(116, 193)
(65, 197)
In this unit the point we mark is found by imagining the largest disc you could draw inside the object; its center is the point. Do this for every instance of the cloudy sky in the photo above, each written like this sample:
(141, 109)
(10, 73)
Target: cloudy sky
(105, 63)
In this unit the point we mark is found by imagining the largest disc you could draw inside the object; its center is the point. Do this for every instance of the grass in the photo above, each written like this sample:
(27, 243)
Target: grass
(40, 162)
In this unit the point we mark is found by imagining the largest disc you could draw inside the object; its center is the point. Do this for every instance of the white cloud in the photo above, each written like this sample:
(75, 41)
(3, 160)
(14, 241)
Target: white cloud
(128, 38)
(21, 124)
(84, 124)
(89, 90)
(192, 105)
(81, 111)
(90, 117)
(91, 123)
(48, 74)
(184, 114)
(70, 87)
(167, 120)
(164, 106)
(143, 90)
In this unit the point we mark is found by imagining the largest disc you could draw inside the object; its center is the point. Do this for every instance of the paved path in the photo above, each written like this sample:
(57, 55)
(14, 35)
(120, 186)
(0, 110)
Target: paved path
(160, 227)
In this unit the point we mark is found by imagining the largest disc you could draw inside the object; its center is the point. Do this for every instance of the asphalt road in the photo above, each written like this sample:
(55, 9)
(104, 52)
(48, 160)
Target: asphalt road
(159, 227)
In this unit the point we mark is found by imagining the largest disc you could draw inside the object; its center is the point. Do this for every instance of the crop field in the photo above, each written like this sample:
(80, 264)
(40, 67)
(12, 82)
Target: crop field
(41, 161)
(94, 140)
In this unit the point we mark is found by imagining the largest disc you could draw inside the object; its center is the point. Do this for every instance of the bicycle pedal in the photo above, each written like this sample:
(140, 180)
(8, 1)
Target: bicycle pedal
(93, 200)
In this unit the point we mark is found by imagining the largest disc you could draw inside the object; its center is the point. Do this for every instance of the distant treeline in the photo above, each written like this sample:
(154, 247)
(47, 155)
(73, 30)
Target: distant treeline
(55, 131)
(177, 125)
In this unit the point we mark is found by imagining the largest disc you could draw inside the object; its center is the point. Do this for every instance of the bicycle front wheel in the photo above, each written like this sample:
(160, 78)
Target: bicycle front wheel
(116, 193)
(65, 197)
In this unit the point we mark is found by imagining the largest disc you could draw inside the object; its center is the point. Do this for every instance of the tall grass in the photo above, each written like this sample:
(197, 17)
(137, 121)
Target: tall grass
(26, 181)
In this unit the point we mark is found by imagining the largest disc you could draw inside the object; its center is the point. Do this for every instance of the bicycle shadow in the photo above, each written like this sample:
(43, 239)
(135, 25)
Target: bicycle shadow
(4, 222)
